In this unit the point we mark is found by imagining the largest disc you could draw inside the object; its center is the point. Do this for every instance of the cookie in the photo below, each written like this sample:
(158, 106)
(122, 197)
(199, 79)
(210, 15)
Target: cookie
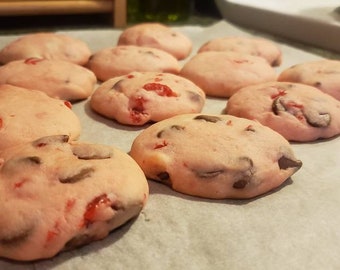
(120, 60)
(214, 156)
(58, 195)
(157, 35)
(141, 97)
(26, 115)
(322, 74)
(248, 45)
(221, 74)
(46, 45)
(57, 78)
(298, 112)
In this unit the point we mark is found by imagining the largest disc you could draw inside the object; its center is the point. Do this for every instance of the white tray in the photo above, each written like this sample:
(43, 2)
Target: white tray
(314, 22)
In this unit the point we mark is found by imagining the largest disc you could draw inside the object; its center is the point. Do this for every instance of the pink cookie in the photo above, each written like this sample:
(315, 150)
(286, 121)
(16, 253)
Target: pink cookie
(46, 45)
(57, 78)
(222, 74)
(57, 195)
(158, 36)
(121, 60)
(322, 74)
(248, 45)
(298, 112)
(214, 156)
(26, 115)
(141, 97)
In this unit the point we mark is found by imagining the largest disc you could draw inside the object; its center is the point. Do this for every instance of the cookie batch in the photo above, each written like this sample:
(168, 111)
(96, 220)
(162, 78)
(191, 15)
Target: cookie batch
(150, 79)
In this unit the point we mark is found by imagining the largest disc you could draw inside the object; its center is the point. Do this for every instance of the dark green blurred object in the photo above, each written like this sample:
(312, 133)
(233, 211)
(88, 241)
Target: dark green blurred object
(166, 11)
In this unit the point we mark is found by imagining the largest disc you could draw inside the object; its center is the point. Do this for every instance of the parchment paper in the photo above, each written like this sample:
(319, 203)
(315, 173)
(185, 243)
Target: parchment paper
(296, 226)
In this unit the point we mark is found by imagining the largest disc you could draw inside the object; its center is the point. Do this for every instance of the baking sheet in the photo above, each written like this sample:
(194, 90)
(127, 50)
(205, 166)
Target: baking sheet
(296, 226)
(310, 21)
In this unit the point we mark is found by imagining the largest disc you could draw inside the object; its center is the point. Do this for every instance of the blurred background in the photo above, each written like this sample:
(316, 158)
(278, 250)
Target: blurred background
(203, 12)
(170, 11)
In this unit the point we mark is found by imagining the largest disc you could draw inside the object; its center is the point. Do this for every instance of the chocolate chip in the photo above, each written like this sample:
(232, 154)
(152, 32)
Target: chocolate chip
(242, 172)
(50, 140)
(276, 63)
(76, 175)
(19, 237)
(34, 160)
(194, 97)
(286, 163)
(91, 151)
(173, 127)
(317, 84)
(150, 53)
(316, 119)
(160, 133)
(177, 127)
(117, 86)
(245, 173)
(208, 174)
(11, 166)
(31, 160)
(250, 128)
(208, 118)
(117, 205)
(163, 176)
(247, 162)
(240, 184)
(278, 106)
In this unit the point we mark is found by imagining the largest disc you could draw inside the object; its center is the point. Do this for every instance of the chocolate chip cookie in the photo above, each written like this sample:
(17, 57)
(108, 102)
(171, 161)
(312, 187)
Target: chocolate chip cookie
(157, 35)
(141, 97)
(47, 45)
(221, 74)
(215, 156)
(322, 74)
(248, 45)
(57, 78)
(26, 115)
(57, 195)
(298, 112)
(121, 60)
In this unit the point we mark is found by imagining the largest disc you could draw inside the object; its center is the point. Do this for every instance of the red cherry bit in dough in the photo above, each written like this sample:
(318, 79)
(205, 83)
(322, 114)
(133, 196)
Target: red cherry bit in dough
(160, 89)
(68, 104)
(33, 60)
(92, 207)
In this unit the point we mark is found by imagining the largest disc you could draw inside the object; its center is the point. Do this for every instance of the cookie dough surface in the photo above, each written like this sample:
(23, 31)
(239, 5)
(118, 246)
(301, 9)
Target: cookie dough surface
(298, 112)
(214, 156)
(248, 45)
(158, 36)
(46, 45)
(222, 74)
(142, 97)
(57, 78)
(58, 195)
(120, 60)
(26, 115)
(322, 74)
